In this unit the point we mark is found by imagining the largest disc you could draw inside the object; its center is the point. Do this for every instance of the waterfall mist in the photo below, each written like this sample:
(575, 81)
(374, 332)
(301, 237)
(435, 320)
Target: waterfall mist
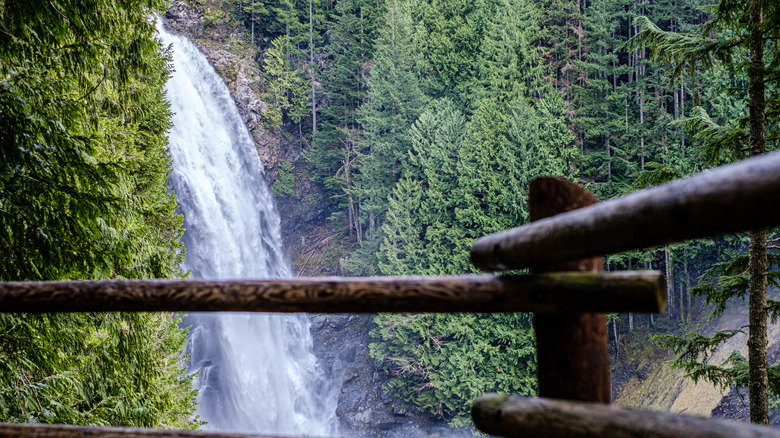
(256, 372)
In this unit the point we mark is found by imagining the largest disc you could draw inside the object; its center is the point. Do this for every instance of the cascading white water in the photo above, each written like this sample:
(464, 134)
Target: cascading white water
(256, 371)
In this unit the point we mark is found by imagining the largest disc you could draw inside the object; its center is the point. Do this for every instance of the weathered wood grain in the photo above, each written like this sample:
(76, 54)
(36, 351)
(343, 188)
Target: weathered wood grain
(13, 430)
(512, 416)
(559, 292)
(739, 197)
(571, 348)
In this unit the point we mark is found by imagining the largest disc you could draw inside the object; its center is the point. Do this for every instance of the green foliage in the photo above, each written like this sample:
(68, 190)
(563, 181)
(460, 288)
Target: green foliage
(213, 18)
(335, 144)
(436, 177)
(693, 350)
(285, 87)
(94, 369)
(82, 186)
(395, 99)
(729, 279)
(656, 174)
(83, 195)
(434, 116)
(717, 141)
(442, 362)
(285, 183)
(423, 234)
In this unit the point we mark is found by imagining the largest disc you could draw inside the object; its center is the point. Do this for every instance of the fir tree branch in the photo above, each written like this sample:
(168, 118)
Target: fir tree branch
(773, 310)
(682, 50)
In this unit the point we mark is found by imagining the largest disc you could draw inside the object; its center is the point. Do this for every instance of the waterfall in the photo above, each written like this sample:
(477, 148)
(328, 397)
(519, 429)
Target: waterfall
(256, 372)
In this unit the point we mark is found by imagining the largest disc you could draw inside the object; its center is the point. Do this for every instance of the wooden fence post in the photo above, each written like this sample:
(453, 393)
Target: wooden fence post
(572, 355)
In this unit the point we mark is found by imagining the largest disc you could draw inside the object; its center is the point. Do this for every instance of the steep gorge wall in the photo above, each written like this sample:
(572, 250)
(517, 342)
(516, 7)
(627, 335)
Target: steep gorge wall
(647, 382)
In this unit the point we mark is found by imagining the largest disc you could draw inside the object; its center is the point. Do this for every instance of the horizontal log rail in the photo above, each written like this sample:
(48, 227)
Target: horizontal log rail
(512, 416)
(12, 430)
(637, 291)
(733, 198)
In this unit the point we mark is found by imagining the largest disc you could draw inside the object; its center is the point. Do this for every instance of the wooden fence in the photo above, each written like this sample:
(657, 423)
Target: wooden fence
(568, 292)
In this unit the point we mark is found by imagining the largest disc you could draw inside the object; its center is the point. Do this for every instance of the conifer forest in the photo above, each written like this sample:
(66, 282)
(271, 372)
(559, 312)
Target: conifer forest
(419, 125)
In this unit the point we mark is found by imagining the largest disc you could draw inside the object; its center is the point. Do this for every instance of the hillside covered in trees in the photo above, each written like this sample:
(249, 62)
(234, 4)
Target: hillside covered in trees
(422, 122)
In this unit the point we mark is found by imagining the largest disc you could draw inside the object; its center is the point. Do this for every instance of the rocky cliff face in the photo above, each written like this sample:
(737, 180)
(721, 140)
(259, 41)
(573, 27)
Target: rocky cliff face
(644, 380)
(228, 50)
(365, 409)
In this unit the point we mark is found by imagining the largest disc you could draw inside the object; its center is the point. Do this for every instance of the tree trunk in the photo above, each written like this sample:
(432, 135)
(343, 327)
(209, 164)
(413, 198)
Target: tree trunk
(758, 381)
(642, 125)
(252, 20)
(608, 151)
(688, 290)
(682, 303)
(617, 340)
(311, 70)
(669, 277)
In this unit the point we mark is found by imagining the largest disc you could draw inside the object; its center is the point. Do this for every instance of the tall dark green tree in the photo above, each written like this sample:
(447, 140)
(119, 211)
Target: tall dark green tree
(335, 144)
(742, 36)
(394, 101)
(422, 233)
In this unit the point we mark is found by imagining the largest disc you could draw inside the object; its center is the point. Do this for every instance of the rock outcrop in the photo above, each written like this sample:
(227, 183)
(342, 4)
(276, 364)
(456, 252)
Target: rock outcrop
(365, 407)
(227, 48)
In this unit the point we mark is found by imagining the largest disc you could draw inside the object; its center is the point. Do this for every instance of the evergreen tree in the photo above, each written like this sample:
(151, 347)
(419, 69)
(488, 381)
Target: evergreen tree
(449, 34)
(255, 11)
(442, 362)
(335, 144)
(394, 101)
(739, 35)
(509, 66)
(422, 233)
(285, 87)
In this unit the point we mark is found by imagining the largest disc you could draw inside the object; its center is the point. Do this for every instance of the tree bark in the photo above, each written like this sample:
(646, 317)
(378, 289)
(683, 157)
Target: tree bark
(512, 416)
(608, 151)
(729, 199)
(548, 293)
(758, 380)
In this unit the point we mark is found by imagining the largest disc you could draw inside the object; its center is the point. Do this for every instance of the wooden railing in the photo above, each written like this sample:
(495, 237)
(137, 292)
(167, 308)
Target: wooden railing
(563, 246)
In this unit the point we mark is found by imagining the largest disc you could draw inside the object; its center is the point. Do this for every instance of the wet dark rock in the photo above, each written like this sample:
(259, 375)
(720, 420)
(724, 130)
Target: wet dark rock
(734, 406)
(365, 409)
